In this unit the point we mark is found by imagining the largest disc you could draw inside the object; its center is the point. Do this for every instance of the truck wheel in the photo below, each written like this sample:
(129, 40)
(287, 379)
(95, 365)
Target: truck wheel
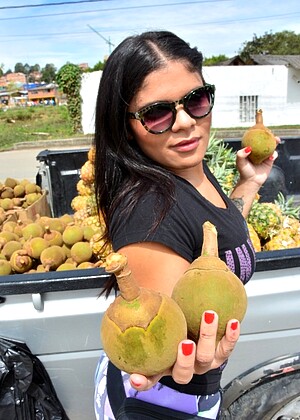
(278, 399)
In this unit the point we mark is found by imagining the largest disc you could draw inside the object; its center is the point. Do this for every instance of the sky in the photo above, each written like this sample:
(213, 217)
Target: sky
(86, 31)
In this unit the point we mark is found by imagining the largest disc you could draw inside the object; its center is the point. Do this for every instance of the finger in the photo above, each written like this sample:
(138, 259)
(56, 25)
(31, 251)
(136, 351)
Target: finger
(183, 369)
(207, 341)
(143, 383)
(243, 153)
(228, 341)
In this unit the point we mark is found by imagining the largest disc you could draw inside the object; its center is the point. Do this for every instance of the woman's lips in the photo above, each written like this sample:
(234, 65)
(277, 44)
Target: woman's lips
(187, 145)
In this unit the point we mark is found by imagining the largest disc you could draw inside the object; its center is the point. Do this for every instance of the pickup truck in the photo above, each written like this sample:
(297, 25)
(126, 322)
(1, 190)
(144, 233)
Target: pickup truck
(58, 314)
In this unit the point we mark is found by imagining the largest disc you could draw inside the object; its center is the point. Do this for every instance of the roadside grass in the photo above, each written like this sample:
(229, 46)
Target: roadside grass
(29, 124)
(34, 123)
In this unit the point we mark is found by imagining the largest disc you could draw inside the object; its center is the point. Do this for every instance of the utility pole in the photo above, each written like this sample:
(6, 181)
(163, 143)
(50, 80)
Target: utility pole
(110, 44)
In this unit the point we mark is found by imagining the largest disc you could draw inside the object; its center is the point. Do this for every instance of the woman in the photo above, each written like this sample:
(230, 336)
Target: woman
(152, 129)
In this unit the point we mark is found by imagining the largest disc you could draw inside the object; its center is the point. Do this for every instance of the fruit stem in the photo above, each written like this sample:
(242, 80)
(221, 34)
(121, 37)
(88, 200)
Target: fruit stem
(210, 240)
(117, 264)
(259, 117)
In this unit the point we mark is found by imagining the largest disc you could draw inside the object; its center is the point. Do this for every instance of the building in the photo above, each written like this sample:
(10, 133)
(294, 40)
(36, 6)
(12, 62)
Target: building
(43, 94)
(271, 83)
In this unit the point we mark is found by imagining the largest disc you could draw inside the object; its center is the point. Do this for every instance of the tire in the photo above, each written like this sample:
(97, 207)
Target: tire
(273, 400)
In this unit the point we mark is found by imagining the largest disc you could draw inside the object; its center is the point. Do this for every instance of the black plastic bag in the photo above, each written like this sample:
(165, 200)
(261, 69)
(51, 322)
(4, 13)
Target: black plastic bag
(26, 390)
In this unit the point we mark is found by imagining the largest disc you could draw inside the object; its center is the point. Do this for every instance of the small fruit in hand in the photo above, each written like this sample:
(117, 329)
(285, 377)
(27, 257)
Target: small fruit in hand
(142, 328)
(208, 284)
(261, 140)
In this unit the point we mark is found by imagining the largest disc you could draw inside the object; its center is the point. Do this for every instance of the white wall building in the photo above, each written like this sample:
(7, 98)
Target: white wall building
(240, 90)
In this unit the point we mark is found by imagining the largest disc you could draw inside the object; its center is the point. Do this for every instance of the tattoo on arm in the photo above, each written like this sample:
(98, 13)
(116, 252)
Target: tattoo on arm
(239, 203)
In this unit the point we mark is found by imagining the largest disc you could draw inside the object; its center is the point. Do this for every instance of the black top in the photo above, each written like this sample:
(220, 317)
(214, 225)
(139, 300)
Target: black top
(181, 229)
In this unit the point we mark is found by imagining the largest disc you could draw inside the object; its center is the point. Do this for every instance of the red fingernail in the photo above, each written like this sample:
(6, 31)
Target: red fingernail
(209, 317)
(187, 348)
(137, 384)
(248, 149)
(234, 325)
(271, 157)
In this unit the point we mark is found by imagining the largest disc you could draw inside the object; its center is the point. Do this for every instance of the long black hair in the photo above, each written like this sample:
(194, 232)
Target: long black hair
(122, 171)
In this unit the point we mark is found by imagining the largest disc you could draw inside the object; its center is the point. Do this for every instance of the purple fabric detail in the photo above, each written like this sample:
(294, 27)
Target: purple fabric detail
(167, 397)
(230, 261)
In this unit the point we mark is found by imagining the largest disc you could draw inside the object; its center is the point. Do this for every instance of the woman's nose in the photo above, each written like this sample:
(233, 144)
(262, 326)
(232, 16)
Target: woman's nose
(183, 119)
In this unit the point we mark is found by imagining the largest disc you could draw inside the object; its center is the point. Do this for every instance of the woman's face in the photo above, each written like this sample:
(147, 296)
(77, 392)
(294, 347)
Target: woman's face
(183, 146)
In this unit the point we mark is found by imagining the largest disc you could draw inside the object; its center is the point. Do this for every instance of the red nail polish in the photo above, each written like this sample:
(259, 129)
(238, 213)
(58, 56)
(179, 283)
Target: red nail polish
(136, 384)
(209, 317)
(271, 157)
(187, 348)
(234, 325)
(248, 149)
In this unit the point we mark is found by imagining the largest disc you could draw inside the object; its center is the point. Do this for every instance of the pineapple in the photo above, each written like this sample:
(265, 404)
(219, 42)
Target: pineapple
(221, 159)
(254, 238)
(265, 219)
(84, 188)
(287, 206)
(283, 240)
(91, 154)
(87, 172)
(100, 248)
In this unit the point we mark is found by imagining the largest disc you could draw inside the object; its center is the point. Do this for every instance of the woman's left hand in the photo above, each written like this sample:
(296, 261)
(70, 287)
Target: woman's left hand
(254, 173)
(196, 359)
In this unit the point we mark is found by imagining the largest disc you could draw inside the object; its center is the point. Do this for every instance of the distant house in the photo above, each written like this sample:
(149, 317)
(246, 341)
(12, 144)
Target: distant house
(271, 83)
(43, 94)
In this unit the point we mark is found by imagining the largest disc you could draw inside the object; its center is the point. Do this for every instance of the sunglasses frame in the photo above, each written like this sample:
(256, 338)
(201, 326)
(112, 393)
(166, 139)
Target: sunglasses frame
(139, 115)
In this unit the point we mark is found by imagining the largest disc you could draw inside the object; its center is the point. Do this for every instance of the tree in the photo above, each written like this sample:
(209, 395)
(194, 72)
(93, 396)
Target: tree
(19, 68)
(98, 66)
(49, 73)
(1, 69)
(279, 43)
(214, 60)
(69, 81)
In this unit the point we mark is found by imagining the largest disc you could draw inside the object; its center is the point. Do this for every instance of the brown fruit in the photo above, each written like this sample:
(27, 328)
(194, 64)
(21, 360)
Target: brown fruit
(52, 257)
(141, 329)
(10, 182)
(5, 268)
(260, 139)
(19, 190)
(81, 252)
(7, 193)
(208, 284)
(53, 236)
(32, 230)
(7, 204)
(20, 261)
(10, 248)
(35, 246)
(72, 234)
(66, 266)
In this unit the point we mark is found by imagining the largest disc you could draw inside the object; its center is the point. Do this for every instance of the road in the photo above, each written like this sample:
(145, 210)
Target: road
(20, 164)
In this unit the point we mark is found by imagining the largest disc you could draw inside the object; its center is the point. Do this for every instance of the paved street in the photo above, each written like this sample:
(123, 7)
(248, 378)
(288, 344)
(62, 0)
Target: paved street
(21, 164)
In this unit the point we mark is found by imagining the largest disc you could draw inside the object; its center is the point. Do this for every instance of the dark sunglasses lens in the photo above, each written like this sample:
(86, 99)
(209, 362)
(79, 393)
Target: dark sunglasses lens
(199, 103)
(158, 118)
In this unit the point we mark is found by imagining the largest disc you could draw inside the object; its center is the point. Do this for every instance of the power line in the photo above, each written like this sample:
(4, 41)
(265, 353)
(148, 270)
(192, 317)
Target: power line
(113, 9)
(223, 22)
(61, 3)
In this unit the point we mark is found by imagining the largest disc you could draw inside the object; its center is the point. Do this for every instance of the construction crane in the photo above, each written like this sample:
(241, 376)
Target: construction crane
(110, 44)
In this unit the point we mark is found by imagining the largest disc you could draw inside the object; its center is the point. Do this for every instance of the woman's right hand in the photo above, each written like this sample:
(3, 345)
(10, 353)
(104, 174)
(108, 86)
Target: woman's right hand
(196, 359)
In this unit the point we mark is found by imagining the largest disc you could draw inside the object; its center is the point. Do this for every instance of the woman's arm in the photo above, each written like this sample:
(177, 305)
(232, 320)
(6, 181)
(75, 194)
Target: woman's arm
(252, 177)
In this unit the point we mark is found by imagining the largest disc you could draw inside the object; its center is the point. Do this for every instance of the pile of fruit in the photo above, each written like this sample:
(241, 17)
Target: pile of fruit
(16, 195)
(53, 243)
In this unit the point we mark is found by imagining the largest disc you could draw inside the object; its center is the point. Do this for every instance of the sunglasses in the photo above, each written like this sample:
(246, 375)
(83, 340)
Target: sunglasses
(159, 117)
